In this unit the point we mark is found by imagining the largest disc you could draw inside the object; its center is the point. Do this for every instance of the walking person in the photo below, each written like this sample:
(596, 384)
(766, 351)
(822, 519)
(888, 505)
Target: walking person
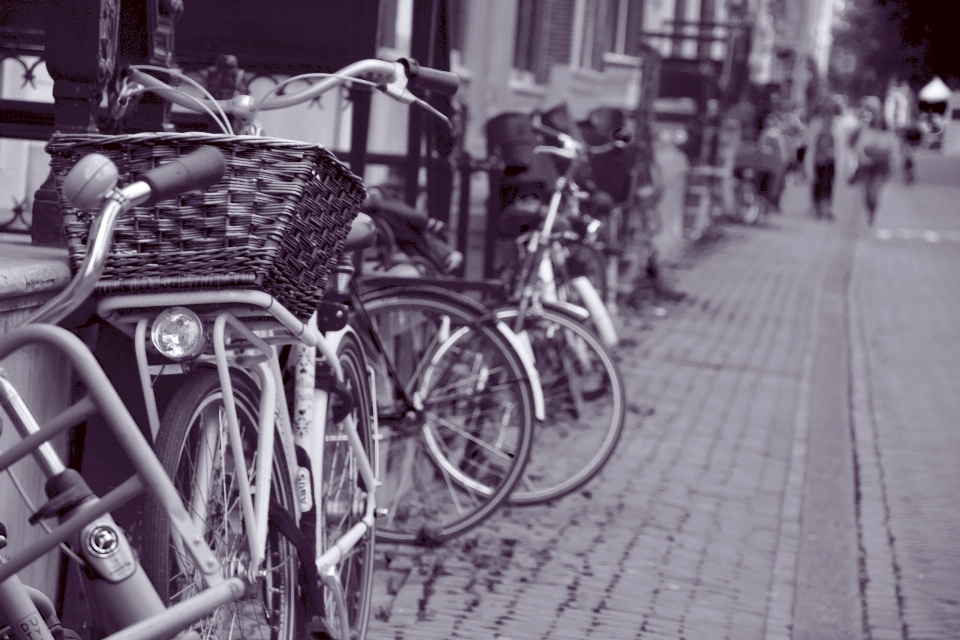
(797, 133)
(824, 163)
(874, 148)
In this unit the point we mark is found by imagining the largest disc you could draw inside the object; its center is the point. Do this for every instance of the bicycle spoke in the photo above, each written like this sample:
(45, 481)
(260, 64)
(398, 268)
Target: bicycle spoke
(452, 491)
(472, 438)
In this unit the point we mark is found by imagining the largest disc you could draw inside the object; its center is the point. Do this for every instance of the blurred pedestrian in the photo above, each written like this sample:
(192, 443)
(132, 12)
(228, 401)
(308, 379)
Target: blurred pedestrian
(824, 163)
(793, 127)
(874, 148)
(772, 143)
(912, 139)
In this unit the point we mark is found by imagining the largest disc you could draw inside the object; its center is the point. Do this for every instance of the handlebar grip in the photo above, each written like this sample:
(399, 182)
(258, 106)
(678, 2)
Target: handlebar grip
(445, 83)
(199, 169)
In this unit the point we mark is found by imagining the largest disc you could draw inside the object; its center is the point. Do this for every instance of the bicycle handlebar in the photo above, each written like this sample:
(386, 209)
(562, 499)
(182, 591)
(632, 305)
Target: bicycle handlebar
(199, 169)
(571, 144)
(392, 78)
(445, 83)
(387, 74)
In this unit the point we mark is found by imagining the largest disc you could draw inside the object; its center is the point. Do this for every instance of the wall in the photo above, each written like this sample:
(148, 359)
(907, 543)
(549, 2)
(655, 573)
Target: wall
(28, 276)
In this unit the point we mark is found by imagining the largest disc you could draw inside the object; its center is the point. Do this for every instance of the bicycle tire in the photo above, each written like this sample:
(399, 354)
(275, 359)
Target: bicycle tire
(344, 493)
(583, 425)
(448, 466)
(194, 450)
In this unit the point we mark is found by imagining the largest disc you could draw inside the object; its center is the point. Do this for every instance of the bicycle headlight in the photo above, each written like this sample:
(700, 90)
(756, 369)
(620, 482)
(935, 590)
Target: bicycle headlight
(178, 333)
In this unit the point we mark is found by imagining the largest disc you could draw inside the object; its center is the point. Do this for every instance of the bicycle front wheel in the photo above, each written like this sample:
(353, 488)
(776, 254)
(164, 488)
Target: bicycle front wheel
(195, 450)
(452, 456)
(584, 398)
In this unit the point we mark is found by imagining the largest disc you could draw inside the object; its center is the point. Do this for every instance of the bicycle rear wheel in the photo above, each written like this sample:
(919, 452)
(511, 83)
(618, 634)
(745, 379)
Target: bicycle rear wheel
(344, 493)
(450, 460)
(194, 449)
(584, 398)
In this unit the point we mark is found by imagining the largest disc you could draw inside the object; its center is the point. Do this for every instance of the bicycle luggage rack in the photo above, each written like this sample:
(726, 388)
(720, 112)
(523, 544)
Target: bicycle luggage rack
(103, 398)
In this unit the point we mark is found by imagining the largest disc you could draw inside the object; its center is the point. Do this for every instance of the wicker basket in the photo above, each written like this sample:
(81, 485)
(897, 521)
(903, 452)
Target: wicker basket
(276, 222)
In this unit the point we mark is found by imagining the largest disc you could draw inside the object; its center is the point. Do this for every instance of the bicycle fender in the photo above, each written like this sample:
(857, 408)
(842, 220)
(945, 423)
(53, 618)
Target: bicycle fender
(598, 311)
(522, 346)
(574, 311)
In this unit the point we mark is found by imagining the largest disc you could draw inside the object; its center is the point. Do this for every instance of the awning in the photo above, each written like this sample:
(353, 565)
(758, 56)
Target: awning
(935, 91)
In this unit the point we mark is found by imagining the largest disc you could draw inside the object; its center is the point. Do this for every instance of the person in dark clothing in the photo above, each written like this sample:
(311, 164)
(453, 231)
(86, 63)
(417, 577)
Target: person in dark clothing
(824, 162)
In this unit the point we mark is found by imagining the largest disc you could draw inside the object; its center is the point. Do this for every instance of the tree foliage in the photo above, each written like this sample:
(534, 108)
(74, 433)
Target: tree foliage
(911, 40)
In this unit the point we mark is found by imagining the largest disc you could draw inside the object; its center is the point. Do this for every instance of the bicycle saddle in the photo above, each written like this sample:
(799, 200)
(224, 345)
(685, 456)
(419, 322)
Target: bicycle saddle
(520, 217)
(363, 234)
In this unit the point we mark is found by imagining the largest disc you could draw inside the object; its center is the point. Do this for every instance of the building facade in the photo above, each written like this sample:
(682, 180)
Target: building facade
(520, 55)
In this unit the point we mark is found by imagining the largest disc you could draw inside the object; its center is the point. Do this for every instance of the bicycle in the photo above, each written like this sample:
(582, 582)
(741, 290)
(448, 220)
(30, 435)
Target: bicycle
(409, 241)
(577, 379)
(568, 267)
(457, 399)
(452, 439)
(582, 384)
(125, 604)
(270, 559)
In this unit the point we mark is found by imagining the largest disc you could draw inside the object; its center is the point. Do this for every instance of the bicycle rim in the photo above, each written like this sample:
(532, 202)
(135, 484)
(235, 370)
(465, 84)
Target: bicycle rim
(584, 397)
(194, 449)
(344, 495)
(446, 466)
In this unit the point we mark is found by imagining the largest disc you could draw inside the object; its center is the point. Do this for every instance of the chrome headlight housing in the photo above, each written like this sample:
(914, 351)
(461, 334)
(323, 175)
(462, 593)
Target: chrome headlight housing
(177, 333)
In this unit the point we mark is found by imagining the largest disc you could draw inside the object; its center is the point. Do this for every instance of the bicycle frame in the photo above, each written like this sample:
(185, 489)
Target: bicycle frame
(128, 598)
(265, 325)
(519, 345)
(543, 254)
(243, 339)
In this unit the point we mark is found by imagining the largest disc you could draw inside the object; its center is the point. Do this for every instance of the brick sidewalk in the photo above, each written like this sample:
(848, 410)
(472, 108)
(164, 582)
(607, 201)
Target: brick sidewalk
(692, 530)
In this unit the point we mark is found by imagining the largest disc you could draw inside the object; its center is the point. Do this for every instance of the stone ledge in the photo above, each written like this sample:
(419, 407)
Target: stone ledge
(26, 270)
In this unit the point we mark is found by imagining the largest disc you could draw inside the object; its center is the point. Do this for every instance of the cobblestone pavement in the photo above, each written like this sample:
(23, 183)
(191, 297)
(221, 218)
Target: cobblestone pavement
(693, 529)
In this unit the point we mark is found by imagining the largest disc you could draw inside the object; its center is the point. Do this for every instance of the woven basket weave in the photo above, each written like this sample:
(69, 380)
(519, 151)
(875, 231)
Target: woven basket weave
(276, 222)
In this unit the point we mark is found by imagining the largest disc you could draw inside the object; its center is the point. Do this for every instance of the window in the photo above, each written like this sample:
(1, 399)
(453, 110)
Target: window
(543, 36)
(455, 23)
(387, 24)
(599, 34)
(577, 32)
(394, 26)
